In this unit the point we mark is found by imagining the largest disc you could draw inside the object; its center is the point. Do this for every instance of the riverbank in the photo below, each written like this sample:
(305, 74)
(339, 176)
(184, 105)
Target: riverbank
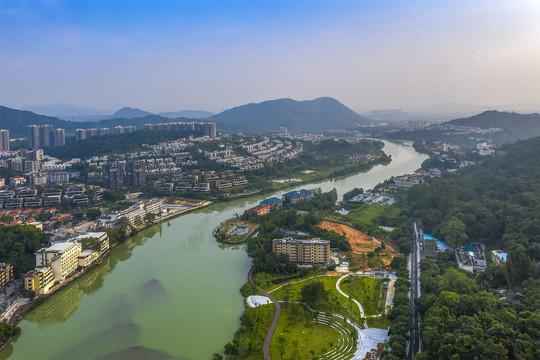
(39, 300)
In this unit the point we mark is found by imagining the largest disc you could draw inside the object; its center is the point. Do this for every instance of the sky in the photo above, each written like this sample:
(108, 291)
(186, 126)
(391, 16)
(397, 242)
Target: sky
(215, 54)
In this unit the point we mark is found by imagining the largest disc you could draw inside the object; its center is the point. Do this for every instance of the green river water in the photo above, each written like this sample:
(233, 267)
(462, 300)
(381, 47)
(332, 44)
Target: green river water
(172, 291)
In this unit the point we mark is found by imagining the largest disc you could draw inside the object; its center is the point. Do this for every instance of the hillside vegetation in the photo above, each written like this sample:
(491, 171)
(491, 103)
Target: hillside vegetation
(497, 203)
(310, 115)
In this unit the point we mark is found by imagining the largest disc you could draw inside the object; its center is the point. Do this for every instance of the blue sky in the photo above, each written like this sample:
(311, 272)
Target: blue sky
(211, 55)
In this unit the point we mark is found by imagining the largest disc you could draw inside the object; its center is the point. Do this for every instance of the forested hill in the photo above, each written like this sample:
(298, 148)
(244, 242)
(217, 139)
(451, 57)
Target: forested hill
(496, 203)
(110, 144)
(310, 115)
(17, 121)
(516, 126)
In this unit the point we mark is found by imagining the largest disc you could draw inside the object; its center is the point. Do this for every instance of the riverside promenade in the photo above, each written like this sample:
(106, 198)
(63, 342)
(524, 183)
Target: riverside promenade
(270, 333)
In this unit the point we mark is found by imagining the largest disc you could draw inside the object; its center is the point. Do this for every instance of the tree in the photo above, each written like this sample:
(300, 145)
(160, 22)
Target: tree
(519, 265)
(149, 217)
(217, 356)
(315, 295)
(123, 224)
(452, 230)
(93, 213)
(282, 341)
(31, 294)
(91, 243)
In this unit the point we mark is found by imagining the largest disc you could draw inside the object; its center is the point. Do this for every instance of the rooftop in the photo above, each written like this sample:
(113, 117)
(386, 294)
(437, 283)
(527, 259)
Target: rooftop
(61, 246)
(91, 234)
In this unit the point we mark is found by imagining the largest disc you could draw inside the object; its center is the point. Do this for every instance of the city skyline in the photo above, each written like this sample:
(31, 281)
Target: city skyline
(168, 56)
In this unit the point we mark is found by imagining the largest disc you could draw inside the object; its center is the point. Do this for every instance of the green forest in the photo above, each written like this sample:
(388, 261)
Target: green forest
(18, 246)
(109, 144)
(497, 203)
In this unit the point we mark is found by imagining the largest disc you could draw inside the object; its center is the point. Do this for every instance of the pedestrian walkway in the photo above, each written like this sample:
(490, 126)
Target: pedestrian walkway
(270, 333)
(354, 300)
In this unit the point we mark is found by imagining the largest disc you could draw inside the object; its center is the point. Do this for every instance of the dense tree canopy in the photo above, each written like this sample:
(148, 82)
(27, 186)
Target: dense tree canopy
(18, 244)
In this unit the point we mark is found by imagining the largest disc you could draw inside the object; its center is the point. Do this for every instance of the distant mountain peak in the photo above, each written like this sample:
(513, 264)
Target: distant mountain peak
(308, 115)
(130, 113)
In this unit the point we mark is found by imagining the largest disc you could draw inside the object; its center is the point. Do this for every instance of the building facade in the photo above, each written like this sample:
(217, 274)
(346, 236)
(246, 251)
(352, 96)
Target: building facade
(303, 252)
(61, 257)
(4, 140)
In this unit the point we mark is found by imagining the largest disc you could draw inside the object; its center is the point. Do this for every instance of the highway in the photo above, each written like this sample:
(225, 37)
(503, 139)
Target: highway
(415, 258)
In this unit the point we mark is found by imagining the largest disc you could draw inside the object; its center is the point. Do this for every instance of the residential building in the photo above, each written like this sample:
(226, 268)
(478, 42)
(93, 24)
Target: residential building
(34, 155)
(87, 257)
(62, 257)
(114, 175)
(6, 274)
(429, 249)
(4, 140)
(201, 187)
(260, 210)
(298, 195)
(498, 256)
(135, 173)
(471, 257)
(39, 280)
(16, 180)
(303, 252)
(273, 202)
(33, 136)
(101, 236)
(45, 135)
(58, 137)
(80, 134)
(58, 177)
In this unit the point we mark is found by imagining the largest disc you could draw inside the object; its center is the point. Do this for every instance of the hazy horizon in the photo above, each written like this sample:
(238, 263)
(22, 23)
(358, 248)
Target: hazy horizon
(168, 56)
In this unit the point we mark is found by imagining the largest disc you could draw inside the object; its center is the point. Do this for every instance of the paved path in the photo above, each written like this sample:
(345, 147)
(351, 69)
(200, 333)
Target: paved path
(270, 333)
(356, 302)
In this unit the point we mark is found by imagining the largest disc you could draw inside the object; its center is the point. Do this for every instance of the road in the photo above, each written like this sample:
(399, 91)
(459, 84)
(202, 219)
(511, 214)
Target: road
(270, 333)
(415, 337)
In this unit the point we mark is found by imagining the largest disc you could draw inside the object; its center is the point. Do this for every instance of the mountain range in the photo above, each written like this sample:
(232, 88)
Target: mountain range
(309, 115)
(84, 114)
(516, 126)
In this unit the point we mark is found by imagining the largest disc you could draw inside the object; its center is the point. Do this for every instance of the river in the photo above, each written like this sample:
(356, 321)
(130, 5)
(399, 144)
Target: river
(171, 291)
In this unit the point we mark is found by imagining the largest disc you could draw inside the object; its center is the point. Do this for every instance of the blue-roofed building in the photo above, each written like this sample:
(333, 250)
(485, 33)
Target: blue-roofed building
(298, 195)
(274, 202)
(498, 256)
(440, 245)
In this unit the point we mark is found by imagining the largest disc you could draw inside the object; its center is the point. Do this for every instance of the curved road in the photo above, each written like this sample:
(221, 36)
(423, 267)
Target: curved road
(270, 333)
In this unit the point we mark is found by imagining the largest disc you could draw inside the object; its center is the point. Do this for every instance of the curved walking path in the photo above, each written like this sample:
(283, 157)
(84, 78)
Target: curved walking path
(356, 302)
(270, 333)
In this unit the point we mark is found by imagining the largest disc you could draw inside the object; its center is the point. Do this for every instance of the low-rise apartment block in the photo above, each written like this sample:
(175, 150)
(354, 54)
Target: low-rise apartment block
(6, 274)
(61, 257)
(303, 252)
(471, 257)
(101, 236)
(39, 280)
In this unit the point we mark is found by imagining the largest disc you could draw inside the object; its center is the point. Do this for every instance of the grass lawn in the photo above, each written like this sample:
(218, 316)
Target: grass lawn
(299, 337)
(380, 322)
(254, 326)
(367, 291)
(369, 212)
(338, 302)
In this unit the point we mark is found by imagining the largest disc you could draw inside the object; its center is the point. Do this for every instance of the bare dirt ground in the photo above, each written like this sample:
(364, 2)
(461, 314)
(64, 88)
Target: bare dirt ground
(361, 243)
